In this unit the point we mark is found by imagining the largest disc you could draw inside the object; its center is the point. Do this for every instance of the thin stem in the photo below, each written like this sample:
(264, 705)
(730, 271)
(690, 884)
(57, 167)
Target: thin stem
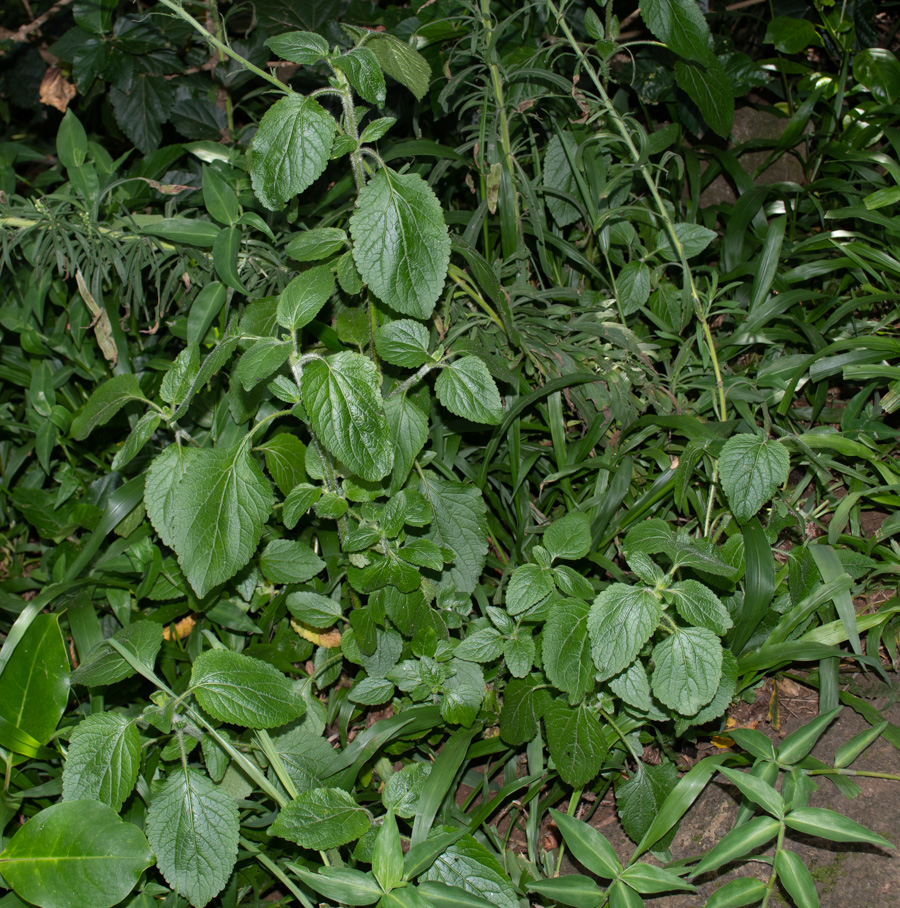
(573, 804)
(224, 48)
(770, 885)
(404, 386)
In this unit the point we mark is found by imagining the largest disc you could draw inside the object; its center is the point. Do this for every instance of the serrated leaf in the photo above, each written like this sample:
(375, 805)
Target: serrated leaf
(376, 129)
(260, 360)
(177, 381)
(102, 761)
(290, 149)
(305, 48)
(633, 686)
(285, 460)
(576, 741)
(751, 469)
(566, 650)
(321, 819)
(459, 523)
(709, 87)
(569, 537)
(402, 62)
(651, 537)
(137, 438)
(699, 605)
(75, 853)
(640, 798)
(559, 178)
(688, 669)
(620, 622)
(193, 827)
(466, 388)
(104, 665)
(693, 239)
(528, 585)
(315, 244)
(142, 110)
(298, 501)
(220, 507)
(346, 410)
(245, 691)
(163, 477)
(408, 427)
(403, 343)
(400, 242)
(633, 287)
(484, 645)
(363, 72)
(680, 25)
(314, 609)
(289, 561)
(524, 702)
(518, 653)
(463, 693)
(304, 296)
(469, 866)
(105, 402)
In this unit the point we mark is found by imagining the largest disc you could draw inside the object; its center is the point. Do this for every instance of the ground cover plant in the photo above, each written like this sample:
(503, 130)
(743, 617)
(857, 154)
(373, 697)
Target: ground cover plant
(420, 422)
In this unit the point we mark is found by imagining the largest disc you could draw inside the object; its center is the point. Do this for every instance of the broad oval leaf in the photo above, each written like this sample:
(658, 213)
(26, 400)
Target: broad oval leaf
(469, 866)
(341, 884)
(680, 25)
(400, 242)
(220, 507)
(567, 648)
(103, 760)
(466, 388)
(290, 149)
(621, 621)
(346, 410)
(105, 665)
(289, 561)
(699, 605)
(576, 741)
(105, 402)
(878, 70)
(363, 71)
(305, 48)
(193, 827)
(245, 691)
(569, 537)
(163, 476)
(751, 469)
(321, 819)
(588, 845)
(688, 669)
(304, 296)
(75, 853)
(403, 343)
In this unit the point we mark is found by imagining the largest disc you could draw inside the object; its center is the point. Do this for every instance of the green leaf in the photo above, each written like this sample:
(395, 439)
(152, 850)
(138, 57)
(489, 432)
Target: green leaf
(206, 306)
(315, 244)
(260, 360)
(177, 381)
(193, 827)
(245, 691)
(226, 249)
(298, 501)
(751, 469)
(647, 879)
(160, 485)
(103, 760)
(737, 843)
(518, 653)
(387, 855)
(408, 427)
(709, 87)
(138, 437)
(621, 895)
(878, 70)
(321, 819)
(831, 825)
(569, 537)
(400, 242)
(363, 71)
(34, 686)
(792, 34)
(524, 702)
(699, 605)
(71, 141)
(182, 231)
(290, 149)
(459, 523)
(305, 48)
(796, 879)
(680, 25)
(484, 645)
(465, 387)
(528, 585)
(75, 853)
(219, 198)
(376, 129)
(346, 410)
(105, 665)
(559, 178)
(589, 846)
(220, 507)
(285, 460)
(105, 402)
(576, 741)
(801, 741)
(688, 669)
(633, 287)
(469, 866)
(304, 296)
(341, 884)
(566, 649)
(289, 561)
(620, 622)
(639, 799)
(692, 237)
(401, 62)
(142, 110)
(633, 687)
(572, 889)
(312, 609)
(403, 343)
(756, 790)
(463, 694)
(737, 893)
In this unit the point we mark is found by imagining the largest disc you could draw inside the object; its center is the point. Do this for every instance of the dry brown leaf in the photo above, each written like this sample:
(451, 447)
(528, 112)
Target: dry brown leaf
(181, 628)
(56, 91)
(330, 639)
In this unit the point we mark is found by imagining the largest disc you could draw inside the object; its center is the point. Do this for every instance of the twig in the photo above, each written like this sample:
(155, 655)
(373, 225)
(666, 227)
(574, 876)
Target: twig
(36, 24)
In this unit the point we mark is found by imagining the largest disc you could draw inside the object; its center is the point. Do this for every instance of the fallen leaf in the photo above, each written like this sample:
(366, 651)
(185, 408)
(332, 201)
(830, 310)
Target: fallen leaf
(55, 90)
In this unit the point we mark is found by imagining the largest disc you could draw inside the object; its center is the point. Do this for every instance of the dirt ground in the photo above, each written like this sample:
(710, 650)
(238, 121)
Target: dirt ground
(852, 875)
